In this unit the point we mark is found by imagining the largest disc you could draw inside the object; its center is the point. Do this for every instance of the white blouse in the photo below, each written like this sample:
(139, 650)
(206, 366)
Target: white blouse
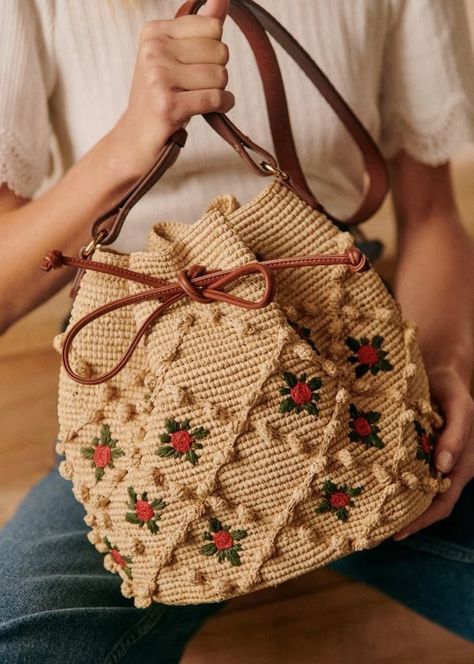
(405, 67)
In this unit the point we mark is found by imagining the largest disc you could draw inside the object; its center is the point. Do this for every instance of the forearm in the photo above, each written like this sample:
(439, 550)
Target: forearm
(433, 283)
(60, 218)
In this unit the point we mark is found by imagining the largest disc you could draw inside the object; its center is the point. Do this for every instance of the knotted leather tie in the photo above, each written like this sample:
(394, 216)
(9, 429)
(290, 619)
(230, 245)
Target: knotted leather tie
(195, 283)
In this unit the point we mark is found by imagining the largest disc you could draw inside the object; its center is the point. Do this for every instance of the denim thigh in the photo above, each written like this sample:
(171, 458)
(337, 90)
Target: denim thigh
(59, 604)
(432, 571)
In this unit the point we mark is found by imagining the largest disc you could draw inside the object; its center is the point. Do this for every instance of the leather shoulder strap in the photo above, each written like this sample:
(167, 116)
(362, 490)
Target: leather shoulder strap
(255, 22)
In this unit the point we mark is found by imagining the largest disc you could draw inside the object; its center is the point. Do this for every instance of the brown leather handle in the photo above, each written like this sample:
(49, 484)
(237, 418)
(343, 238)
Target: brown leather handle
(254, 21)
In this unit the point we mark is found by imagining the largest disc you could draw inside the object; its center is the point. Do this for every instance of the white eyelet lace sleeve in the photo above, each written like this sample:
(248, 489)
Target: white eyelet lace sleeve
(26, 81)
(427, 85)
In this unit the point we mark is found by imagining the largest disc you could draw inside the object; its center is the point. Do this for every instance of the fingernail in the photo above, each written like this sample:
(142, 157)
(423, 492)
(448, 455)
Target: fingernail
(397, 538)
(445, 461)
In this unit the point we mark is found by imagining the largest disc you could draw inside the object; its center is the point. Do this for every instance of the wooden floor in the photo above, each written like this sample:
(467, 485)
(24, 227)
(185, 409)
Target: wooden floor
(318, 618)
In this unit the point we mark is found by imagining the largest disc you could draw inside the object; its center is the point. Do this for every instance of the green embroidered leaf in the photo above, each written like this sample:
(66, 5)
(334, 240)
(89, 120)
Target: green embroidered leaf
(233, 556)
(99, 474)
(377, 341)
(238, 534)
(284, 390)
(152, 527)
(208, 549)
(342, 514)
(419, 429)
(354, 436)
(377, 441)
(171, 425)
(127, 559)
(184, 425)
(158, 504)
(372, 416)
(87, 452)
(361, 370)
(364, 341)
(221, 556)
(311, 408)
(385, 365)
(198, 446)
(117, 452)
(107, 542)
(166, 451)
(290, 378)
(329, 486)
(207, 536)
(192, 456)
(287, 405)
(215, 525)
(145, 495)
(355, 491)
(199, 433)
(353, 359)
(352, 344)
(164, 438)
(302, 378)
(323, 507)
(374, 369)
(353, 412)
(132, 494)
(132, 517)
(128, 572)
(315, 383)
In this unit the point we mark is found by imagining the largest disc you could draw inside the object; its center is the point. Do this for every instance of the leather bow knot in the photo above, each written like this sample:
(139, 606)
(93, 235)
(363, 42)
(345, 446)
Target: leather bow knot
(194, 282)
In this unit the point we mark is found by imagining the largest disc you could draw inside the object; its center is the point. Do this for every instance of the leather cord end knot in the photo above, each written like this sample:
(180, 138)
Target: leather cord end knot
(358, 262)
(52, 261)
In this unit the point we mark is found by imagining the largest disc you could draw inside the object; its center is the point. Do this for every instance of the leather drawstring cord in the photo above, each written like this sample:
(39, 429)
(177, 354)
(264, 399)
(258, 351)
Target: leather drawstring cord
(194, 282)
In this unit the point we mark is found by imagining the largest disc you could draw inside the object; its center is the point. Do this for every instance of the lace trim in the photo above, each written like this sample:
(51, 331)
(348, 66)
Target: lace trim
(20, 169)
(435, 143)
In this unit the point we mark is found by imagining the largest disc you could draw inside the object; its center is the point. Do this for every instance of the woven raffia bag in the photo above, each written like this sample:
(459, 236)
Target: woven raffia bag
(237, 445)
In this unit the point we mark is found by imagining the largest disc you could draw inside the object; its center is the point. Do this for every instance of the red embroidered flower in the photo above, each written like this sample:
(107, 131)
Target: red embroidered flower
(426, 442)
(179, 441)
(337, 499)
(300, 393)
(122, 561)
(223, 541)
(118, 558)
(144, 511)
(102, 456)
(368, 355)
(102, 452)
(362, 427)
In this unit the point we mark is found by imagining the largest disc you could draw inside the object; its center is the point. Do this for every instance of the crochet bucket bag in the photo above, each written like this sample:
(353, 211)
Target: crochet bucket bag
(241, 402)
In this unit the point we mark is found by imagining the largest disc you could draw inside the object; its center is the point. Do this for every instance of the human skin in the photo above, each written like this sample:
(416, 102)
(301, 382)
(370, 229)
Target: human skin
(180, 72)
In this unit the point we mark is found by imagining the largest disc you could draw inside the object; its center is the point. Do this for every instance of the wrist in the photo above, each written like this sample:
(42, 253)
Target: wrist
(133, 151)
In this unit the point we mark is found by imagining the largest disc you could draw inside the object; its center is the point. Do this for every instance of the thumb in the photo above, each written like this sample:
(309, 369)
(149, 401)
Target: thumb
(216, 8)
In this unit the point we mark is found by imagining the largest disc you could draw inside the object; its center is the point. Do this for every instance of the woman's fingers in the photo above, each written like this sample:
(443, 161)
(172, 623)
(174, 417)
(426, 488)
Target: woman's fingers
(454, 449)
(217, 8)
(440, 508)
(203, 50)
(458, 410)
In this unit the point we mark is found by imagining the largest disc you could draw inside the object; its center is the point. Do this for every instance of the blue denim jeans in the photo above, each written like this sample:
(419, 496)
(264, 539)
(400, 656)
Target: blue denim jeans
(59, 604)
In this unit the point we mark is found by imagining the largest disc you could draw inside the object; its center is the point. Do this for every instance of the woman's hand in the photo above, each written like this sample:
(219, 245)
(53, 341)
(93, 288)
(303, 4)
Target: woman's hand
(434, 287)
(454, 449)
(179, 72)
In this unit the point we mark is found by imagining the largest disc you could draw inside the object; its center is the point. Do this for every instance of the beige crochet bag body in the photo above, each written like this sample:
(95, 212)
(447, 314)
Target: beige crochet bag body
(266, 420)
